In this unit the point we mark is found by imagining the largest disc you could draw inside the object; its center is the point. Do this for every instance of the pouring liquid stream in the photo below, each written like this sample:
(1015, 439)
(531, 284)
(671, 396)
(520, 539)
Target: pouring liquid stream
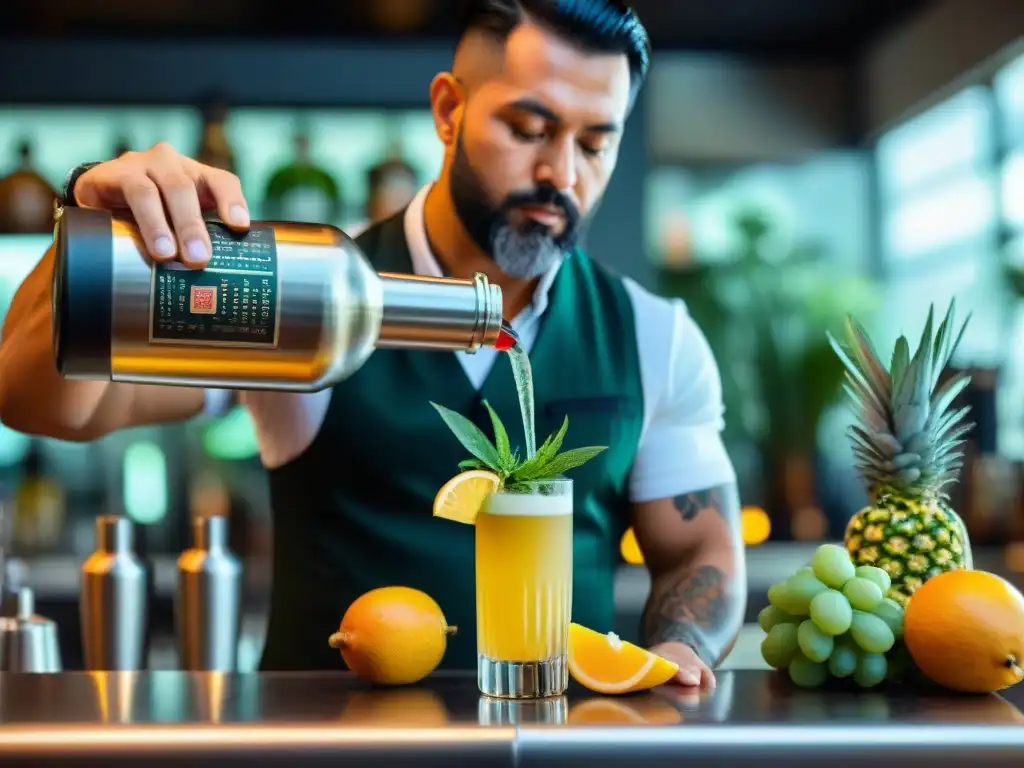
(509, 342)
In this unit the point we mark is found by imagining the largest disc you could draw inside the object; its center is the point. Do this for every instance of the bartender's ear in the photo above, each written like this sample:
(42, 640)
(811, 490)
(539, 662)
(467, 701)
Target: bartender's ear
(446, 103)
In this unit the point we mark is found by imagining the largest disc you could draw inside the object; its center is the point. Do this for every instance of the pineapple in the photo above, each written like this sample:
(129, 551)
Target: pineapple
(906, 448)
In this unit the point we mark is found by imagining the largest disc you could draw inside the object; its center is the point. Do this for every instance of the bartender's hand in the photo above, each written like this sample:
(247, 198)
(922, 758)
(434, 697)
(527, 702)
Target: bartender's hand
(166, 193)
(693, 673)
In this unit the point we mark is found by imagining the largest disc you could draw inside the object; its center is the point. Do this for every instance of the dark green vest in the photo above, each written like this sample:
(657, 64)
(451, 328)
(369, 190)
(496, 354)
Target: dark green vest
(353, 512)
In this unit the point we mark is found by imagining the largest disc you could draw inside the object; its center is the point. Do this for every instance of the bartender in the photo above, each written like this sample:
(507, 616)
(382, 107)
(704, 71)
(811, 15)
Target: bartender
(531, 116)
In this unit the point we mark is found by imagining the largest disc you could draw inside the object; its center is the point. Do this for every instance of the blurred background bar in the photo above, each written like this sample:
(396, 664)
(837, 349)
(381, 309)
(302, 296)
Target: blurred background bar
(788, 162)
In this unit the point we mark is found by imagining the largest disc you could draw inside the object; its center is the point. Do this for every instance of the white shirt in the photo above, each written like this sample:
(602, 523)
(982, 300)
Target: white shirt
(681, 448)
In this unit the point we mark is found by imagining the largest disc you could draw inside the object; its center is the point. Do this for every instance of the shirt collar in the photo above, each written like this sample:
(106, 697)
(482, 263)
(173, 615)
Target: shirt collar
(425, 264)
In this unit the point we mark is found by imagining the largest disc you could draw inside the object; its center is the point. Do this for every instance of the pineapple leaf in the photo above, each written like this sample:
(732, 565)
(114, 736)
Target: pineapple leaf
(909, 420)
(864, 397)
(872, 367)
(945, 344)
(900, 359)
(853, 367)
(941, 343)
(471, 436)
(904, 460)
(885, 443)
(947, 393)
(925, 372)
(948, 422)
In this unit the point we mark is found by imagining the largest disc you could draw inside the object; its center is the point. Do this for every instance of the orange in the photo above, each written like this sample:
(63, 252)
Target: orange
(607, 664)
(462, 497)
(965, 631)
(393, 636)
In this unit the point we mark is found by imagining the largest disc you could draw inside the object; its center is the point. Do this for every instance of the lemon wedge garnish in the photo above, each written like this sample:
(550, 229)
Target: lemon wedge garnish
(462, 497)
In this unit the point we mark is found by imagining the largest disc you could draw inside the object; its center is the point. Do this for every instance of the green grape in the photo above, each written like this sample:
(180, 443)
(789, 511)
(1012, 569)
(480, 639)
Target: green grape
(814, 644)
(778, 595)
(871, 633)
(871, 670)
(831, 564)
(779, 645)
(891, 613)
(876, 576)
(863, 595)
(831, 612)
(771, 616)
(843, 661)
(806, 673)
(806, 569)
(800, 590)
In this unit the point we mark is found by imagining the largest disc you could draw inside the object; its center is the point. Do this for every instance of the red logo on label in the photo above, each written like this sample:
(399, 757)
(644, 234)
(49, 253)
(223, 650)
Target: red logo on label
(203, 300)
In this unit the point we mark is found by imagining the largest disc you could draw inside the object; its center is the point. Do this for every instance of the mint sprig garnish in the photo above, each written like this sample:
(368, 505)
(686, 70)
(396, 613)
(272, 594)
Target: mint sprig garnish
(498, 456)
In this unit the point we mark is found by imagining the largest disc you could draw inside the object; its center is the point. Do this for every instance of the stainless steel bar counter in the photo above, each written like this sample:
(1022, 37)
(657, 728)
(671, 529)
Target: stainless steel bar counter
(304, 719)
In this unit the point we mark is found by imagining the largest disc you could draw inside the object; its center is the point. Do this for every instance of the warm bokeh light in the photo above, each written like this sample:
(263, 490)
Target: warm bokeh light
(1015, 556)
(809, 524)
(629, 548)
(756, 526)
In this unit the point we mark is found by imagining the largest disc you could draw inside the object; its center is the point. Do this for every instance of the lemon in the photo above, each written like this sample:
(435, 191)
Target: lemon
(462, 497)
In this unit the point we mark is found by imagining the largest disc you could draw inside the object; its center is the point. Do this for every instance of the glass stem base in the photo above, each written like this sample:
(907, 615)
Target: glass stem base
(522, 679)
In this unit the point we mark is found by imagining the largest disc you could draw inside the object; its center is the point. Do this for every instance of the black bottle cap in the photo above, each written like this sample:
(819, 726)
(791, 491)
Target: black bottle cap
(83, 282)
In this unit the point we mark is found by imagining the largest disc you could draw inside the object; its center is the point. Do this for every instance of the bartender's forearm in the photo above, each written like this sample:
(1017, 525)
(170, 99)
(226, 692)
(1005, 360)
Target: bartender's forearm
(36, 399)
(694, 550)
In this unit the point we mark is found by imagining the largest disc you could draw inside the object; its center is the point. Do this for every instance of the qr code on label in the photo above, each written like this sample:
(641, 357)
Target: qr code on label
(203, 300)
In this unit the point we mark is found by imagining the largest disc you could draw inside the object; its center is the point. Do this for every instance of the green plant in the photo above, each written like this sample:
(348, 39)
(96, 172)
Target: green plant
(499, 457)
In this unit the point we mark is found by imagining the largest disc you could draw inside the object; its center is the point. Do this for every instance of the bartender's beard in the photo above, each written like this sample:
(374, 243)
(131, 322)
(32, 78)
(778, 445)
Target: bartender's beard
(521, 252)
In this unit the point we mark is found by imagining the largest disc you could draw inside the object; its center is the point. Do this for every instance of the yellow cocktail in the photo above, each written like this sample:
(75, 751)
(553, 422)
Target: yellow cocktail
(524, 590)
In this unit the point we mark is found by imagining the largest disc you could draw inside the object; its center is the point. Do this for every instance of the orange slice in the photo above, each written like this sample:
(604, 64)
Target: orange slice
(462, 497)
(607, 664)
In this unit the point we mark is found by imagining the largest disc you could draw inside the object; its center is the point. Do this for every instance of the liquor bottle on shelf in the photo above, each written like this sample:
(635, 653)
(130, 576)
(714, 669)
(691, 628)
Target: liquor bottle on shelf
(26, 198)
(302, 190)
(38, 506)
(214, 147)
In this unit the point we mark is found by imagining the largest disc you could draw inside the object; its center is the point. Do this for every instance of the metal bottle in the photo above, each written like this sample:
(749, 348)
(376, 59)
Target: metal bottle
(113, 602)
(286, 306)
(208, 603)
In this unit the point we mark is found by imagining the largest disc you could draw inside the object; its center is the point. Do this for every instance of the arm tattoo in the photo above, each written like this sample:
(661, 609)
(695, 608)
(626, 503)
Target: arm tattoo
(698, 606)
(708, 501)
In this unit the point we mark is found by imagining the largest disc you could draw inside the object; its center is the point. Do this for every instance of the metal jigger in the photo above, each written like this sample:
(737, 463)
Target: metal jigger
(28, 643)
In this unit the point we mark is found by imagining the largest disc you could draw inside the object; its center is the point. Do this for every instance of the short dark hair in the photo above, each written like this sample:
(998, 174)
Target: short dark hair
(598, 26)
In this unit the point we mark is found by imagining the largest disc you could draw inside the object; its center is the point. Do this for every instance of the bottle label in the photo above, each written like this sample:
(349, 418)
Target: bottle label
(233, 302)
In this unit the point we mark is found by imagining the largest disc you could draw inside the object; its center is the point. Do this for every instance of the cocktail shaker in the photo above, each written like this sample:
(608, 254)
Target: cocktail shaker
(114, 601)
(28, 642)
(208, 603)
(285, 306)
